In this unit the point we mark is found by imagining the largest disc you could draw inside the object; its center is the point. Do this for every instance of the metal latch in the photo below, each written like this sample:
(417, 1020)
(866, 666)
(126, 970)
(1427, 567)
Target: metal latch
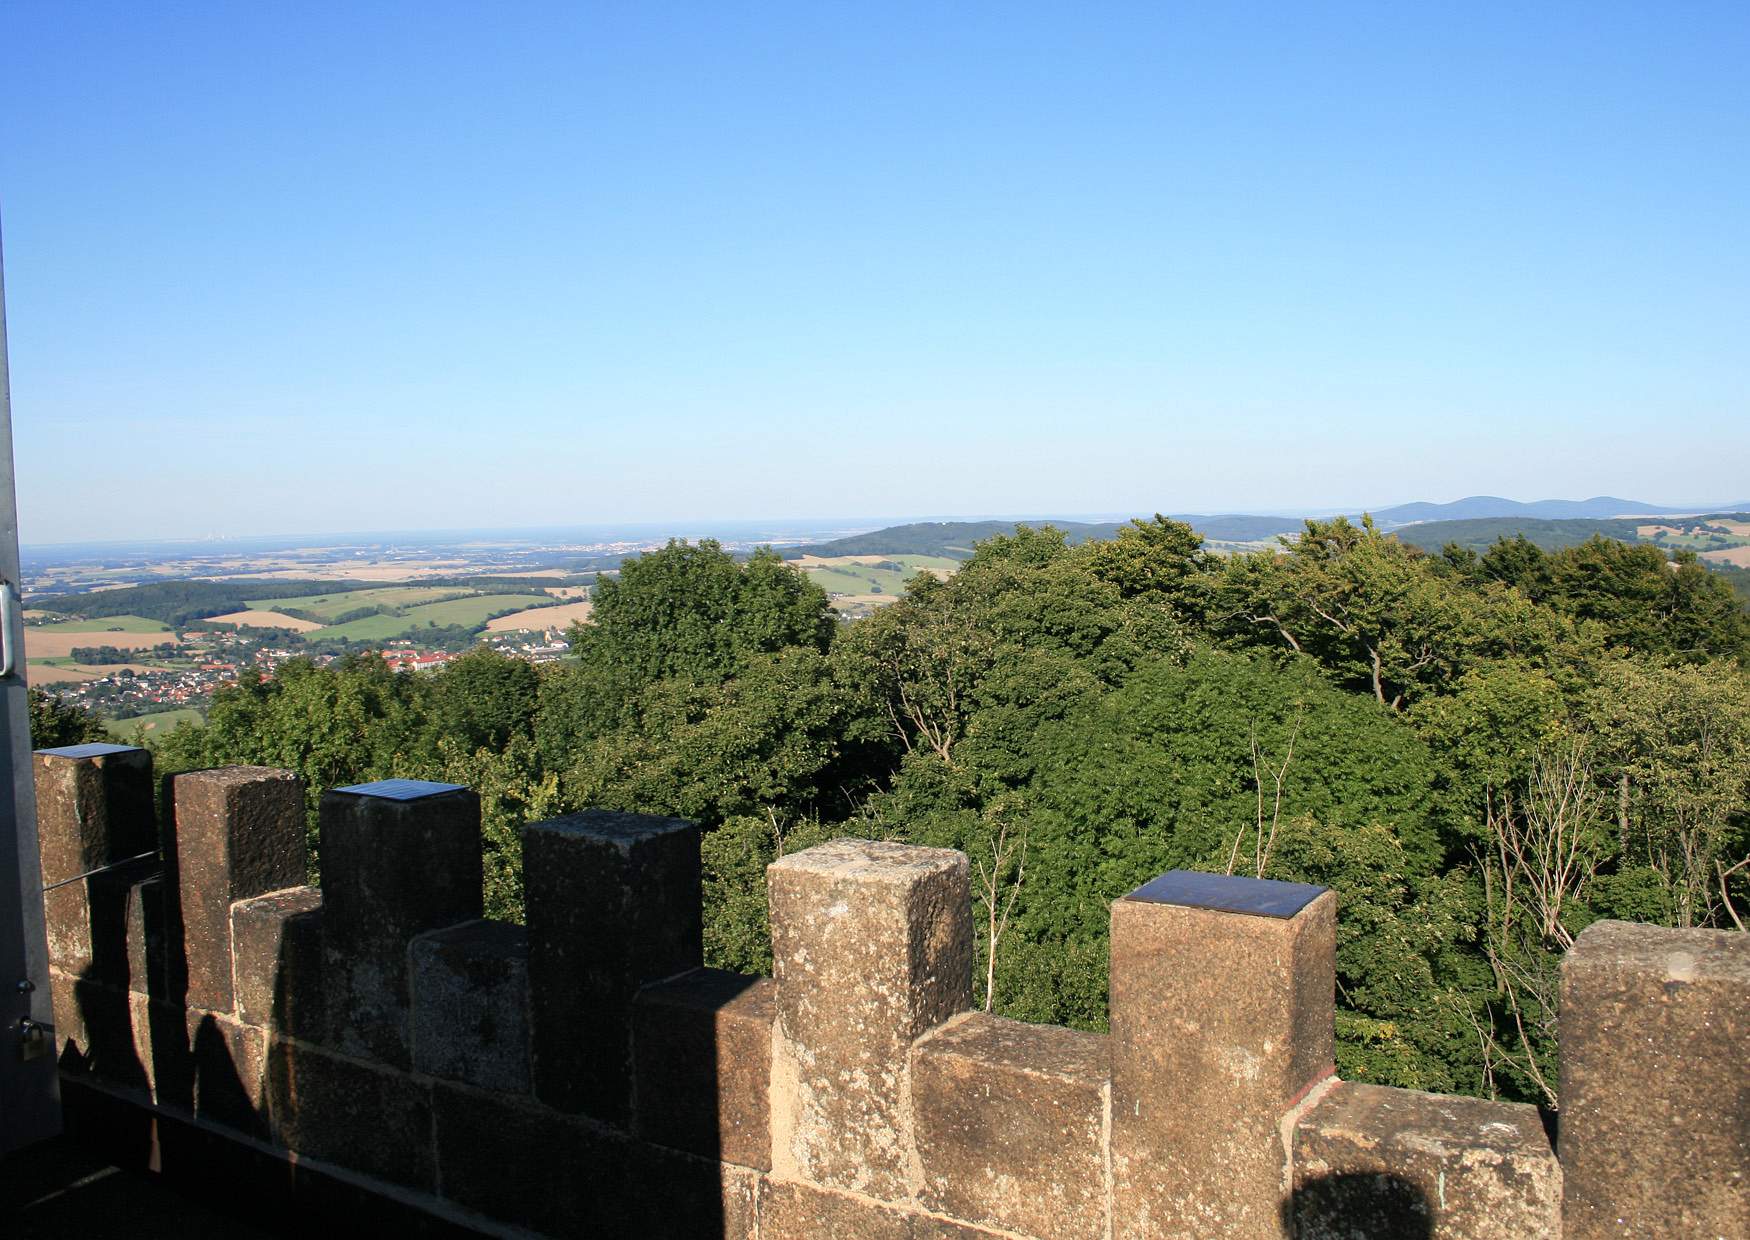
(34, 1040)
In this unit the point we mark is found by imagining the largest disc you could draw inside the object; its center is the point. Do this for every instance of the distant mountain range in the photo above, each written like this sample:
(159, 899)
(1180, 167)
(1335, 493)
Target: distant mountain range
(1553, 522)
(1477, 507)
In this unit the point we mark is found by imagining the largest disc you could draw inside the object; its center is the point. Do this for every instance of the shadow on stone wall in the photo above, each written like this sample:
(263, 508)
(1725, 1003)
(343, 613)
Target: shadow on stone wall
(1351, 1206)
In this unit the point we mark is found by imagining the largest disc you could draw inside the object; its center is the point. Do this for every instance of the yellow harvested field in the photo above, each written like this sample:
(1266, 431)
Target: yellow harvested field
(59, 644)
(537, 619)
(865, 600)
(1739, 556)
(833, 561)
(43, 674)
(1741, 528)
(265, 620)
(46, 674)
(568, 591)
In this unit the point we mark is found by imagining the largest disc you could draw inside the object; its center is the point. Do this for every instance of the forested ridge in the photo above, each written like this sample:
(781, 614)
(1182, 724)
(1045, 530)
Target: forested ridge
(1481, 753)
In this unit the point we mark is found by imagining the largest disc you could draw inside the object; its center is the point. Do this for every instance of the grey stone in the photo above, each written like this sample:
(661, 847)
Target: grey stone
(471, 1005)
(612, 902)
(235, 832)
(1375, 1161)
(1655, 1086)
(872, 948)
(1221, 1021)
(391, 871)
(276, 942)
(702, 1043)
(1011, 1125)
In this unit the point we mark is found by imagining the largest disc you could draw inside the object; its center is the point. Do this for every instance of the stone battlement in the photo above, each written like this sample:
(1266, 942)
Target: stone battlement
(584, 1075)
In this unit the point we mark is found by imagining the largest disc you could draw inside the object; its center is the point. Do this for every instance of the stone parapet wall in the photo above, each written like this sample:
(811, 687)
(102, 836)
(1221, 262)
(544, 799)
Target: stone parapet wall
(585, 1075)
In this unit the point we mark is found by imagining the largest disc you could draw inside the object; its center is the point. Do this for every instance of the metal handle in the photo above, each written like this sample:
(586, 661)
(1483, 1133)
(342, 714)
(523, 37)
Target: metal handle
(11, 620)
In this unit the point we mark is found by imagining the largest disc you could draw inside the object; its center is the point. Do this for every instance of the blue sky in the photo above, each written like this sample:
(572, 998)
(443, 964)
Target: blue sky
(310, 267)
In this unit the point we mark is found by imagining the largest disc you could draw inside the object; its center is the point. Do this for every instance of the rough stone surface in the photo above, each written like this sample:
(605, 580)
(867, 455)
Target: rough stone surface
(1011, 1125)
(353, 1114)
(872, 948)
(1655, 1088)
(234, 832)
(91, 812)
(794, 1211)
(702, 1045)
(567, 1175)
(228, 1062)
(471, 1005)
(1220, 1022)
(612, 902)
(149, 935)
(276, 943)
(529, 1165)
(94, 1030)
(391, 870)
(1374, 1161)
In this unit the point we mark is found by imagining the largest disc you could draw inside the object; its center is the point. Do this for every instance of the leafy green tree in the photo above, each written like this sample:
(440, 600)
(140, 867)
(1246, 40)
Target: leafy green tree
(1644, 604)
(484, 699)
(54, 723)
(1380, 614)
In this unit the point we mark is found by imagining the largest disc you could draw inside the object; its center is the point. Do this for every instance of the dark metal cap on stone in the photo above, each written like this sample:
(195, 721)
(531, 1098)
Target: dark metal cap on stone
(400, 789)
(95, 749)
(1228, 893)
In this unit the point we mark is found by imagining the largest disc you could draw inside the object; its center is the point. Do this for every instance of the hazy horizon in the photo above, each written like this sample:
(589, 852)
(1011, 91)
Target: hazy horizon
(392, 266)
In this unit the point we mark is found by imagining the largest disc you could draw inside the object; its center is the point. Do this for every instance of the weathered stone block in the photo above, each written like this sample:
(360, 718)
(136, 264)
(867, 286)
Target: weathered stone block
(399, 858)
(702, 1044)
(150, 931)
(471, 1005)
(353, 1114)
(612, 902)
(1655, 1088)
(872, 947)
(1011, 1125)
(1221, 1020)
(276, 945)
(794, 1211)
(94, 809)
(1374, 1161)
(94, 1029)
(529, 1165)
(235, 832)
(229, 1062)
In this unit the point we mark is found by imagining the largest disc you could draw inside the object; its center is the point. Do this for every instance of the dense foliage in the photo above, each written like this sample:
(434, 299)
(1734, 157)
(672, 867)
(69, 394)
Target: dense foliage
(1480, 753)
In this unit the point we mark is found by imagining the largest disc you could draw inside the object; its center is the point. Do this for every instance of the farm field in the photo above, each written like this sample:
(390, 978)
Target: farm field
(468, 611)
(160, 721)
(862, 581)
(539, 618)
(258, 619)
(42, 641)
(327, 607)
(103, 624)
(67, 672)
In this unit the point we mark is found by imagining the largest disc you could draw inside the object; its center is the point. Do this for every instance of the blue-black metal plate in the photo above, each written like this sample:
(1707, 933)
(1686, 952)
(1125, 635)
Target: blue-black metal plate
(401, 789)
(1261, 897)
(97, 749)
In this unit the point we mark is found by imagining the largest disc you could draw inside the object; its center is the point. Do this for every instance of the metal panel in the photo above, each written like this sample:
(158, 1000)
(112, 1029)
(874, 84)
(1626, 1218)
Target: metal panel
(1228, 893)
(30, 1105)
(401, 789)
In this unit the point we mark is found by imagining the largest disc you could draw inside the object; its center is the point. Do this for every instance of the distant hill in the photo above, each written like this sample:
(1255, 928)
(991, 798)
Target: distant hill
(1697, 533)
(178, 602)
(1480, 534)
(956, 539)
(1479, 507)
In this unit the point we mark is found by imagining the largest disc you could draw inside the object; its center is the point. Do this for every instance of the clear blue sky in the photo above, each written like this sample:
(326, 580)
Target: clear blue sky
(324, 266)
